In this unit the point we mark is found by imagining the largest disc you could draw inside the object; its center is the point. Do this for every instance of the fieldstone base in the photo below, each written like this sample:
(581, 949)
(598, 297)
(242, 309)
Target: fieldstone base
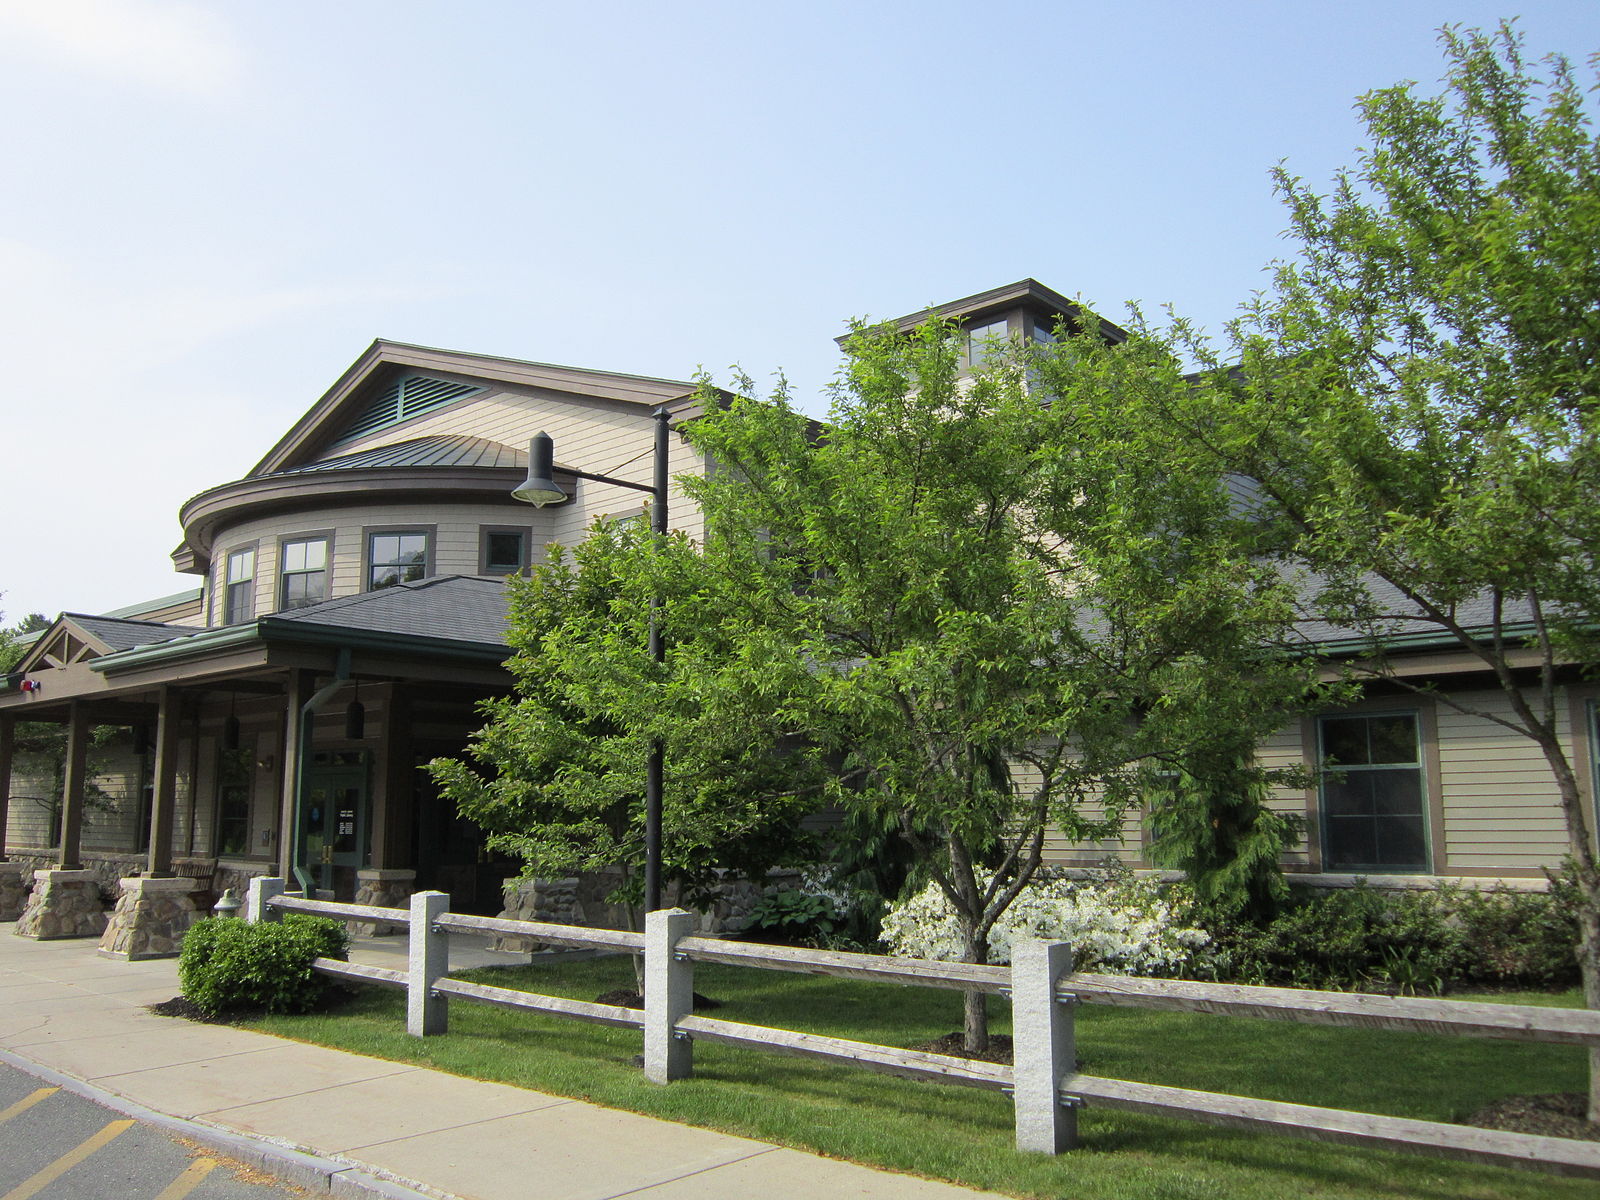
(382, 887)
(550, 900)
(64, 904)
(14, 878)
(582, 901)
(151, 917)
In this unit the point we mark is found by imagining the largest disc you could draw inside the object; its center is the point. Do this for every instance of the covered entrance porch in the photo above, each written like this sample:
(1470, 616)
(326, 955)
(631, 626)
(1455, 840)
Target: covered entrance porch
(289, 746)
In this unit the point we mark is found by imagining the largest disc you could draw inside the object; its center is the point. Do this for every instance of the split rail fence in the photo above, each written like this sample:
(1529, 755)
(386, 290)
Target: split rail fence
(1044, 1084)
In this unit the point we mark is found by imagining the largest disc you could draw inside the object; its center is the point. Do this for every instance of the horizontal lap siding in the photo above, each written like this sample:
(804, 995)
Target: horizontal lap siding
(1501, 808)
(458, 529)
(599, 436)
(1283, 750)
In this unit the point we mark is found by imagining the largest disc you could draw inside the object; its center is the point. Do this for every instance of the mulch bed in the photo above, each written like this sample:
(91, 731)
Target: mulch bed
(999, 1050)
(182, 1006)
(623, 998)
(1555, 1114)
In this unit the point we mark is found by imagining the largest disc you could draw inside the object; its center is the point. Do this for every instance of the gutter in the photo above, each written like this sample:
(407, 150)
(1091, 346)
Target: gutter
(270, 629)
(1413, 641)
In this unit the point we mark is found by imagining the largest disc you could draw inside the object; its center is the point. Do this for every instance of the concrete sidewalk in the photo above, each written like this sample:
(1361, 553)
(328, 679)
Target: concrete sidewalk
(65, 1009)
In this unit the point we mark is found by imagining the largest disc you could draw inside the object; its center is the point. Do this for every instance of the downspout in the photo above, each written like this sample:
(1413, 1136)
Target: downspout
(308, 710)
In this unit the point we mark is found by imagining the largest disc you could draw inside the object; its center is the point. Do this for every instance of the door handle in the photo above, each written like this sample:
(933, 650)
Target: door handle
(327, 855)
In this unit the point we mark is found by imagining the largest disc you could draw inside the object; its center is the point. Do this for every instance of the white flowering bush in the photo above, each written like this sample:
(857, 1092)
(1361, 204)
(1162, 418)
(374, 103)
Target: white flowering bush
(1119, 924)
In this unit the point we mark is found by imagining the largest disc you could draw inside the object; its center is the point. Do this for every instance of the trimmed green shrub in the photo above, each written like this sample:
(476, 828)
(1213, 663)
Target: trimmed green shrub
(231, 964)
(1425, 940)
(1519, 939)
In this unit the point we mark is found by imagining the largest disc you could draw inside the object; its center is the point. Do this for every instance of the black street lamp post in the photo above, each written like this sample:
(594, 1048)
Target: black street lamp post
(539, 489)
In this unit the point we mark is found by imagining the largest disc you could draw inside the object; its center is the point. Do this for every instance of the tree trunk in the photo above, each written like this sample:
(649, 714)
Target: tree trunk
(1587, 882)
(975, 1012)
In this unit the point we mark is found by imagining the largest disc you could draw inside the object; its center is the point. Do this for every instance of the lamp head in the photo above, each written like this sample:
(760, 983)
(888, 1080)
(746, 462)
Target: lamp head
(540, 487)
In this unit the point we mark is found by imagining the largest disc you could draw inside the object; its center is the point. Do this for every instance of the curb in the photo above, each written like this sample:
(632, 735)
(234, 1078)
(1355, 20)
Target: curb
(314, 1172)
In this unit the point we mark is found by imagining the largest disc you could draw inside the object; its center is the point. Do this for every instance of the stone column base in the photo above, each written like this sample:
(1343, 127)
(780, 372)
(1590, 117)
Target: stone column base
(150, 919)
(13, 889)
(554, 901)
(64, 904)
(382, 887)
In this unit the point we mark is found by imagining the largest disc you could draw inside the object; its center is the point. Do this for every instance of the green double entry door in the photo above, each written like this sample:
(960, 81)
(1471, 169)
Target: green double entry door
(334, 819)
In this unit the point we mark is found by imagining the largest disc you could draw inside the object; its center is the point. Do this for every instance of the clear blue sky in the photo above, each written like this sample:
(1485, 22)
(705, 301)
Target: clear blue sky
(210, 208)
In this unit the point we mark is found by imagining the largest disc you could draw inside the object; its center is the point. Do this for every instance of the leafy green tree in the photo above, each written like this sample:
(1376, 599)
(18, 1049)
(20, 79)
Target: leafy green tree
(991, 617)
(560, 765)
(1416, 396)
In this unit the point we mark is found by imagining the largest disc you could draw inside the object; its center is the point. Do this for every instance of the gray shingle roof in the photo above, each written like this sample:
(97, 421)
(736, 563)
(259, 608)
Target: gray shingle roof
(462, 608)
(440, 451)
(121, 634)
(1402, 618)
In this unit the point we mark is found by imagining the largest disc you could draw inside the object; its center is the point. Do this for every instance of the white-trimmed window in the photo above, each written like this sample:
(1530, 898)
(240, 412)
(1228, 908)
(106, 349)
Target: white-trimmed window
(239, 592)
(303, 572)
(1374, 801)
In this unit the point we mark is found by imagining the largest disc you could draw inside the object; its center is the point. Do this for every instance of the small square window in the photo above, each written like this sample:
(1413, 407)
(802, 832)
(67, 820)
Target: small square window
(505, 551)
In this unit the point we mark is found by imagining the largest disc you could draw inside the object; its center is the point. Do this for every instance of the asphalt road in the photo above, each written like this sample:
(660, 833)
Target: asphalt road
(55, 1145)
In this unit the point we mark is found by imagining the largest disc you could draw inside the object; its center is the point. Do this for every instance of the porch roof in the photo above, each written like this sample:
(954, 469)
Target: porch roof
(450, 628)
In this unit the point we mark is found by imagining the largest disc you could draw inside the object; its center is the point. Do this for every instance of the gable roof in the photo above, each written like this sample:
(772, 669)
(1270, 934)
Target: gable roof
(1027, 294)
(80, 637)
(322, 425)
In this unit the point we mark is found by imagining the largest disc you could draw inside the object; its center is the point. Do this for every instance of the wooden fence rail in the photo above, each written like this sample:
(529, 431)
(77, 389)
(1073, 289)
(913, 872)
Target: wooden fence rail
(1045, 1087)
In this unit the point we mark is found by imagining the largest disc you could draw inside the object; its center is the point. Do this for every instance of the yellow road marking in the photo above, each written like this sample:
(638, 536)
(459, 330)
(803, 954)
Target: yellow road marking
(27, 1102)
(189, 1180)
(66, 1162)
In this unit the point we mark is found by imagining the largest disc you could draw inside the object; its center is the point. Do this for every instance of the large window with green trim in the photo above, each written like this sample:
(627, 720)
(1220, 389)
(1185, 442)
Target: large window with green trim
(398, 556)
(1374, 802)
(238, 596)
(303, 572)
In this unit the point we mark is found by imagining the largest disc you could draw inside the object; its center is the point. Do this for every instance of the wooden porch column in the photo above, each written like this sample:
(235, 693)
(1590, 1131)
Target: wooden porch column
(8, 744)
(296, 694)
(69, 857)
(394, 784)
(164, 802)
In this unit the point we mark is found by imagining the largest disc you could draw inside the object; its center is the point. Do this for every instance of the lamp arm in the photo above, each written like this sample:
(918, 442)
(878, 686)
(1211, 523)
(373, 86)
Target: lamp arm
(627, 483)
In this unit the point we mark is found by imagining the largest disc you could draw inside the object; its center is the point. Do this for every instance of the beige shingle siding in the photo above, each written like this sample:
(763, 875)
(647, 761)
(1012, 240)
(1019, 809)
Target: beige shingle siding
(594, 435)
(457, 528)
(1285, 749)
(1501, 807)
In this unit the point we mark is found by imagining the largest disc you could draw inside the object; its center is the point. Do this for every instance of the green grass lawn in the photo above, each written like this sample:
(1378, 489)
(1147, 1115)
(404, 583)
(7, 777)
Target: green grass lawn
(965, 1135)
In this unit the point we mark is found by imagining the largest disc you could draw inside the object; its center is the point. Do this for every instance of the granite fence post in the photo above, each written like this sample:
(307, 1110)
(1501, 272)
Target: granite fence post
(1043, 1046)
(426, 1012)
(668, 996)
(262, 889)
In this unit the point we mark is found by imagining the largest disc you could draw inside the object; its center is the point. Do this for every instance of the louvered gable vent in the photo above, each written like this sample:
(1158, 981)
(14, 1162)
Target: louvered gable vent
(407, 397)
